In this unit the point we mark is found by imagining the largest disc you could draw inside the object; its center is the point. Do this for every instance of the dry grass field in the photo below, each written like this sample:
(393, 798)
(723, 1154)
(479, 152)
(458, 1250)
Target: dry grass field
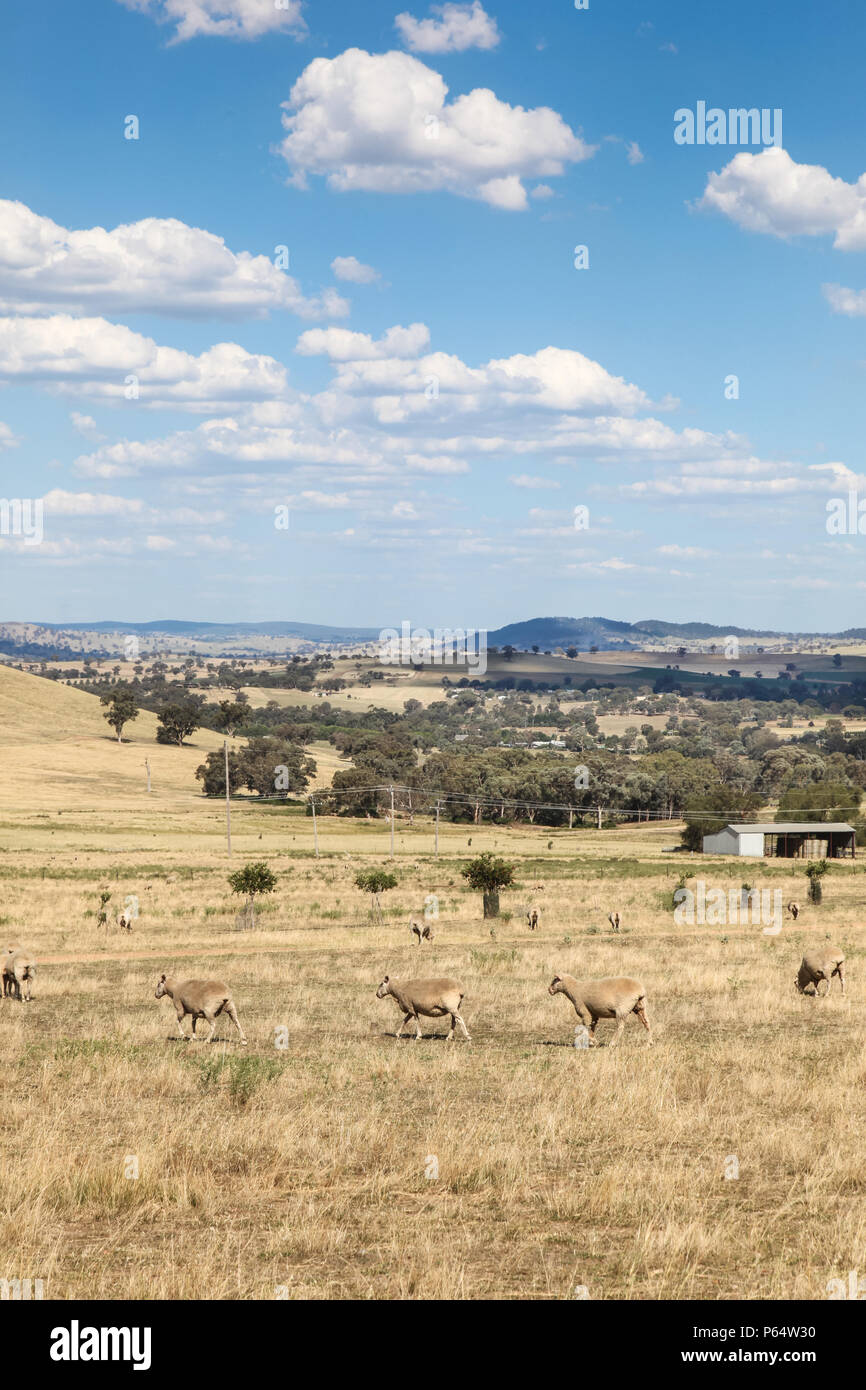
(306, 1160)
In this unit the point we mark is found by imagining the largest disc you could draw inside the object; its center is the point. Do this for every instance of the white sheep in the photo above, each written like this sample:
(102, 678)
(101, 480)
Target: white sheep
(613, 918)
(532, 918)
(18, 970)
(794, 909)
(422, 931)
(817, 966)
(611, 997)
(432, 998)
(203, 999)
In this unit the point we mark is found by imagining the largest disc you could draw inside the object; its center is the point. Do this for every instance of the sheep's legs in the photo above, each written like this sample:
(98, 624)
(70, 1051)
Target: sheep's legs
(593, 1023)
(838, 971)
(455, 1019)
(399, 1033)
(418, 1027)
(233, 1015)
(180, 1018)
(640, 1010)
(620, 1024)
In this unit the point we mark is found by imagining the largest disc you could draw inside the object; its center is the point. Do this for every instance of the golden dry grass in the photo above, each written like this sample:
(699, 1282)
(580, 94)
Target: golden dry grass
(304, 1166)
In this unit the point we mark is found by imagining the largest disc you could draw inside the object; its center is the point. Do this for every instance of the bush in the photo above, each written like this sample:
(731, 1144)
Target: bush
(487, 875)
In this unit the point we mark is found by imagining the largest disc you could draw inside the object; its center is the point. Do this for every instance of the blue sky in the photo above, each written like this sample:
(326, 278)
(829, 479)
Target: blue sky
(430, 387)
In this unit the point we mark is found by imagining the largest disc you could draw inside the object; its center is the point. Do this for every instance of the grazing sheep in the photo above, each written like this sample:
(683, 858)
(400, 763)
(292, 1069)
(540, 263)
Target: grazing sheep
(532, 919)
(817, 966)
(608, 998)
(794, 909)
(432, 998)
(613, 918)
(422, 931)
(19, 969)
(201, 998)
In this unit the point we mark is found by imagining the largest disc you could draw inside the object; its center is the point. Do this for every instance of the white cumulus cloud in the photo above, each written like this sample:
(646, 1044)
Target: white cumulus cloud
(769, 192)
(382, 123)
(157, 265)
(93, 357)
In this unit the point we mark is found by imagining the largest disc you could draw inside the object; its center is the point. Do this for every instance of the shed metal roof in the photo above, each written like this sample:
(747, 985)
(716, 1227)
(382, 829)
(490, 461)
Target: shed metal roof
(803, 827)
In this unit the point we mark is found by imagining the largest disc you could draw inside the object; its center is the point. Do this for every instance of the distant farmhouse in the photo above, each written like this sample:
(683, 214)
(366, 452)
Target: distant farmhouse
(784, 840)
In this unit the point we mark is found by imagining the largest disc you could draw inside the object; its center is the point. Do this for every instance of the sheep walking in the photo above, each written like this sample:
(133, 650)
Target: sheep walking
(817, 966)
(203, 999)
(532, 919)
(613, 918)
(18, 970)
(432, 998)
(607, 998)
(794, 909)
(422, 931)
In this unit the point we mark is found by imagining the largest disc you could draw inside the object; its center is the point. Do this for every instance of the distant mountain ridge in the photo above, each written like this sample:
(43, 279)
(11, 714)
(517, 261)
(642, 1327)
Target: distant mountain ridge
(610, 633)
(110, 637)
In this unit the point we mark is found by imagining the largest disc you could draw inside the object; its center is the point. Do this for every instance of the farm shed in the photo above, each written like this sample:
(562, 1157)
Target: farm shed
(784, 840)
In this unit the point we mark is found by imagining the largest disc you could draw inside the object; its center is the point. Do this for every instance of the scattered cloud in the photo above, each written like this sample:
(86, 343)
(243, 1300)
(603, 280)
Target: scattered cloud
(85, 425)
(381, 123)
(233, 19)
(459, 26)
(843, 301)
(342, 345)
(634, 153)
(404, 511)
(350, 268)
(525, 480)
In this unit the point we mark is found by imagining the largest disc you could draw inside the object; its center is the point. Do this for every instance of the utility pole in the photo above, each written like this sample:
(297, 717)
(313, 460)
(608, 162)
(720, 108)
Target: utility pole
(598, 814)
(392, 822)
(228, 799)
(315, 827)
(147, 765)
(436, 851)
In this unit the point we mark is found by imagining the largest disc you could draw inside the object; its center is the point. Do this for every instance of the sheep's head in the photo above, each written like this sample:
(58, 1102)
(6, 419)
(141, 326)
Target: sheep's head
(556, 986)
(160, 987)
(383, 989)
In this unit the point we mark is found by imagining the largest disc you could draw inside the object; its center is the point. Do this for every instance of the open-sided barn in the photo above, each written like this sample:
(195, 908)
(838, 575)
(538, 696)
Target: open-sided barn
(784, 840)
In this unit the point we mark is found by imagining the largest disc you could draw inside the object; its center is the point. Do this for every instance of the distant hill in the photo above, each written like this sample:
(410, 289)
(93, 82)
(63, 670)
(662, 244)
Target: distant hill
(607, 633)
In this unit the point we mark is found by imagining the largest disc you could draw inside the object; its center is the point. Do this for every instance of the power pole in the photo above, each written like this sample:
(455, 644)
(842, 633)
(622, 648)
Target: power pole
(315, 827)
(598, 814)
(147, 765)
(392, 822)
(436, 851)
(228, 800)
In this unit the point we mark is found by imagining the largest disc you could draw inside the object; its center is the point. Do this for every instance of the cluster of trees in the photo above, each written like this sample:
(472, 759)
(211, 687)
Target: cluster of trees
(267, 766)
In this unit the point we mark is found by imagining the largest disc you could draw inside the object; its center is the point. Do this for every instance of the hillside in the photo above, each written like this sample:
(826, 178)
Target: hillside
(59, 751)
